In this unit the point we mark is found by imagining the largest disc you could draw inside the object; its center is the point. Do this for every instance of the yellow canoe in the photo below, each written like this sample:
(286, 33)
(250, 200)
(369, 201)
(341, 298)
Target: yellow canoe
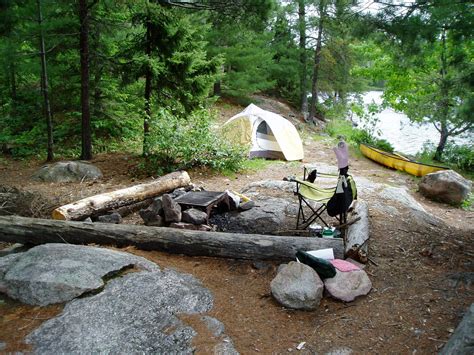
(398, 162)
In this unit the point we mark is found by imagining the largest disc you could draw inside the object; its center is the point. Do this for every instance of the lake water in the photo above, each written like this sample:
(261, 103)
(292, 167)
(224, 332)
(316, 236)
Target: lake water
(404, 136)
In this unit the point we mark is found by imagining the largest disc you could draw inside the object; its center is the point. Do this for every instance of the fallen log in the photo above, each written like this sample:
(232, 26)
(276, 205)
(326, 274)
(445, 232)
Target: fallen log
(14, 229)
(358, 233)
(95, 205)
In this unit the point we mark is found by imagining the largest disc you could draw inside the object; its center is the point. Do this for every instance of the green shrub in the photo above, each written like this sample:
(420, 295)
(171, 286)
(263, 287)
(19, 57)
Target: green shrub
(460, 155)
(178, 143)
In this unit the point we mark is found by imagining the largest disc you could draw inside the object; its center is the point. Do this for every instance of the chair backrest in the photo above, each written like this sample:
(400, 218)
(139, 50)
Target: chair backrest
(314, 192)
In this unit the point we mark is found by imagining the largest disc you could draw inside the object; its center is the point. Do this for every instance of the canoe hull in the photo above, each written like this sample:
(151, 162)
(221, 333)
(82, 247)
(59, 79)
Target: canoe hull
(398, 162)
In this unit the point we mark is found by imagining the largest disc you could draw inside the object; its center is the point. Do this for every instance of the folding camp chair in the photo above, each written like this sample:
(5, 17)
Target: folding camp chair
(308, 193)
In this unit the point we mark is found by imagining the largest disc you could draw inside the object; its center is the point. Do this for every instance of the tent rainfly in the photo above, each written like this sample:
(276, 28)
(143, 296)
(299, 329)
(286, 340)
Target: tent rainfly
(268, 134)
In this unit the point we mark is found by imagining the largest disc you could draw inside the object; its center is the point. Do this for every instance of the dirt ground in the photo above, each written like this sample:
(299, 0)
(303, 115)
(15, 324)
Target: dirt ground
(422, 276)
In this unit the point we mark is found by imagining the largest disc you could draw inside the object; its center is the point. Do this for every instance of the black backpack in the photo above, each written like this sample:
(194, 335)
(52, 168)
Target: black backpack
(339, 203)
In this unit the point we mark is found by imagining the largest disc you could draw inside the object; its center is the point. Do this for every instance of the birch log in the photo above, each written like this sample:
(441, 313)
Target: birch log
(98, 204)
(24, 230)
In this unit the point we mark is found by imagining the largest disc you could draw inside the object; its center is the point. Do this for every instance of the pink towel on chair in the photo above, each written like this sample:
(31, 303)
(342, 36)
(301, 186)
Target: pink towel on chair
(343, 265)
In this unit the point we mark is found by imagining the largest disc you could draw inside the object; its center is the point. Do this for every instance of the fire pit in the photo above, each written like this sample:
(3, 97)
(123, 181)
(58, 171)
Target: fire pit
(203, 200)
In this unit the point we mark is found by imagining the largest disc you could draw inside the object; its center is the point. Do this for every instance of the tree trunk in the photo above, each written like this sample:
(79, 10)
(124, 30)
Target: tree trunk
(217, 88)
(13, 81)
(148, 78)
(86, 153)
(99, 204)
(442, 142)
(443, 111)
(44, 86)
(303, 57)
(24, 230)
(317, 64)
(97, 68)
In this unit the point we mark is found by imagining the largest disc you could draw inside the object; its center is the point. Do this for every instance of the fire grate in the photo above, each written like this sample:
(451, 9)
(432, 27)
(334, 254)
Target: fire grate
(204, 200)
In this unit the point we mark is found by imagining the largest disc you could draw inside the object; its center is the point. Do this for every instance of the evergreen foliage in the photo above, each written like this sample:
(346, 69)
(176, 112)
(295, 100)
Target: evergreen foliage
(154, 66)
(429, 72)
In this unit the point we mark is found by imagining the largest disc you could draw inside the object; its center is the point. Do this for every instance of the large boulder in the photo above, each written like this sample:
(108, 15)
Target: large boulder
(67, 171)
(55, 273)
(267, 216)
(346, 286)
(462, 340)
(297, 286)
(137, 313)
(445, 186)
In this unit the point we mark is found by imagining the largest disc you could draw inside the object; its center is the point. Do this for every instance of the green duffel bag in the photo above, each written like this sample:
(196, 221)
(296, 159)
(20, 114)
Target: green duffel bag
(323, 267)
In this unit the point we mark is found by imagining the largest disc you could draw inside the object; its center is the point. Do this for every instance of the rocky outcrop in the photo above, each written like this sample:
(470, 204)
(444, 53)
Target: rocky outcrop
(276, 185)
(55, 273)
(462, 340)
(67, 171)
(445, 186)
(267, 216)
(225, 345)
(402, 196)
(297, 286)
(137, 313)
(347, 286)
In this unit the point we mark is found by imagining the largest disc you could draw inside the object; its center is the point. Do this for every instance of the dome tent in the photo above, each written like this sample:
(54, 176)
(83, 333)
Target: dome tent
(268, 134)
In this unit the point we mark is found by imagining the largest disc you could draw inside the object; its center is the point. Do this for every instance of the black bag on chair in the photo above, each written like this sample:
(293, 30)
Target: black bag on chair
(339, 203)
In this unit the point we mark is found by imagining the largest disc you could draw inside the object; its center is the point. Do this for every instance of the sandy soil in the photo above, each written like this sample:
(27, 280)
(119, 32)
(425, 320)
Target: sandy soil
(422, 276)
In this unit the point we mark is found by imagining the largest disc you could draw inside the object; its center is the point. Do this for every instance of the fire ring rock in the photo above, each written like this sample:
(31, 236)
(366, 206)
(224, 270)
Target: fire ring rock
(171, 209)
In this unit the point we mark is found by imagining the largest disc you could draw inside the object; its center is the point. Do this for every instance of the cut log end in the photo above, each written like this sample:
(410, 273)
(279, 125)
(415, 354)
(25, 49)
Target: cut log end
(58, 215)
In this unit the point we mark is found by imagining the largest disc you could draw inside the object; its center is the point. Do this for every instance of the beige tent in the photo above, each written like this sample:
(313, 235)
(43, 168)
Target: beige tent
(267, 134)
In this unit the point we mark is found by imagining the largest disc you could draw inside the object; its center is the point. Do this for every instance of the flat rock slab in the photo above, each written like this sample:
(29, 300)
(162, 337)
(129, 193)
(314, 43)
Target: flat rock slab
(276, 185)
(347, 286)
(136, 313)
(269, 215)
(402, 196)
(67, 171)
(55, 273)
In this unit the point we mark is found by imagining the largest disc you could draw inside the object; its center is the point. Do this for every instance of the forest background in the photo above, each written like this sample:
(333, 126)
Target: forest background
(84, 77)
